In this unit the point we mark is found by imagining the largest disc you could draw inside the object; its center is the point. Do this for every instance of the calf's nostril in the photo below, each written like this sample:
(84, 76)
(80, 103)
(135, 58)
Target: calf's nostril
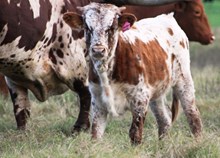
(98, 50)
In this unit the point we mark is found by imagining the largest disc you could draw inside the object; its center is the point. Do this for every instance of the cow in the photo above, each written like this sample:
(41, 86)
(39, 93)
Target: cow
(135, 68)
(190, 16)
(196, 26)
(40, 53)
(3, 87)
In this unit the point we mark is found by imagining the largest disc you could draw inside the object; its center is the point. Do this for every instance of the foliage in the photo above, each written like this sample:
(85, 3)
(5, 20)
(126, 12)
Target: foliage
(213, 12)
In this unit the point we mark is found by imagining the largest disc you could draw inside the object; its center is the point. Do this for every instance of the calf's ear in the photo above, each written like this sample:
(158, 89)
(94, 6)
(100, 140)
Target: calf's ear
(74, 20)
(125, 19)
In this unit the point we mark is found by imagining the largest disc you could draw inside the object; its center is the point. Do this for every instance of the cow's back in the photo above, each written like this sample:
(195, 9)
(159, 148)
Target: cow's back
(35, 42)
(149, 49)
(25, 20)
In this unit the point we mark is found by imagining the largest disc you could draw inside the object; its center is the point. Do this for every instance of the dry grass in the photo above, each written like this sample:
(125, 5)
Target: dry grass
(48, 133)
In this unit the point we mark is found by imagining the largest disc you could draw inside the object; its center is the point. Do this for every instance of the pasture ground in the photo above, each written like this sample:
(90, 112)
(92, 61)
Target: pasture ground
(49, 135)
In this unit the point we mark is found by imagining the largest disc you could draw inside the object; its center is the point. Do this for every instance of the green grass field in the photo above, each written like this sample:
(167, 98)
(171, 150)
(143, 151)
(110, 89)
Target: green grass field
(49, 136)
(213, 11)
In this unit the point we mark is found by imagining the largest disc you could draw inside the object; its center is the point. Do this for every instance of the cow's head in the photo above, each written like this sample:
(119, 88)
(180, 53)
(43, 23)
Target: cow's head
(191, 16)
(101, 24)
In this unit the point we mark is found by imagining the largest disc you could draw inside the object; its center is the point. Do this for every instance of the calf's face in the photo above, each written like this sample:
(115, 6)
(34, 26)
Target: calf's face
(101, 23)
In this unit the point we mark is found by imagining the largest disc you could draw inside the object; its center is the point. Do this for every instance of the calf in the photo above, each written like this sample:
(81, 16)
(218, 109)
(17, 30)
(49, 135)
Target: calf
(130, 71)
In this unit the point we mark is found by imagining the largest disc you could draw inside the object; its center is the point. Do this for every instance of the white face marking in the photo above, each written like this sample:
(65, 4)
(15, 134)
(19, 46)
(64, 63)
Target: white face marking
(99, 23)
(101, 36)
(3, 33)
(18, 4)
(35, 6)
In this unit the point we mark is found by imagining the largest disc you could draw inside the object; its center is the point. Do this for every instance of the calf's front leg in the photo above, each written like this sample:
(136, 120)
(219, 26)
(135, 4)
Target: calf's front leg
(139, 112)
(99, 120)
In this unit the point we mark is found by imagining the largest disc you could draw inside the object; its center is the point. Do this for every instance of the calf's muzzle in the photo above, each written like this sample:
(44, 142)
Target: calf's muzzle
(98, 51)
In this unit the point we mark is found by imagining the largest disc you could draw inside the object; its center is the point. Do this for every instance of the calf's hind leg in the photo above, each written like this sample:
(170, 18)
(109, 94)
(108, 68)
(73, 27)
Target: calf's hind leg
(162, 116)
(185, 92)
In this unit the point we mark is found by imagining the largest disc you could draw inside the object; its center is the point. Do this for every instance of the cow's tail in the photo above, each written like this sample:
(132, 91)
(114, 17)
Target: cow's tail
(175, 107)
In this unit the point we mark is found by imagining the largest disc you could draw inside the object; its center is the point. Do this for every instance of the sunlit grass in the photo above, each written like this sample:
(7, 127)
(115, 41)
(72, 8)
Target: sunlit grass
(49, 136)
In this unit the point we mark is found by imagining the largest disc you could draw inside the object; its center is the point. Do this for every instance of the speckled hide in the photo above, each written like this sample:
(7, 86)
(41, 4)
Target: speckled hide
(135, 68)
(39, 52)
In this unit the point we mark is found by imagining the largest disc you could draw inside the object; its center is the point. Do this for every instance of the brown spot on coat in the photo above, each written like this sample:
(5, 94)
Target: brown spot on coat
(170, 31)
(60, 53)
(182, 44)
(151, 63)
(52, 57)
(12, 56)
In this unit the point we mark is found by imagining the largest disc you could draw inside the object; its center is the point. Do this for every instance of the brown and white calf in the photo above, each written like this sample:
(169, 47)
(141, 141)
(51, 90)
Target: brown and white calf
(135, 68)
(38, 54)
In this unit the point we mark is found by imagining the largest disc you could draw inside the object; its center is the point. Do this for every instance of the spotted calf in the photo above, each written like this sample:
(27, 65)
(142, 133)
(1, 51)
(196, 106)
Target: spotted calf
(135, 68)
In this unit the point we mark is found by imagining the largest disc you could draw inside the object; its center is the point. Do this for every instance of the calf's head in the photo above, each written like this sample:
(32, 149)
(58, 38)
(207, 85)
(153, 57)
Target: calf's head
(101, 24)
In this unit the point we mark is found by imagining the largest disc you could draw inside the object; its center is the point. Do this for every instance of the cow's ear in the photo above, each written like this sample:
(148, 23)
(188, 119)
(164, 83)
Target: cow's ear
(125, 19)
(180, 6)
(74, 20)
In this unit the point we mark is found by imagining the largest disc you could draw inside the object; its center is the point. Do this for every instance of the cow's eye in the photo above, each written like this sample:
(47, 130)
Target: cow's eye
(109, 30)
(197, 12)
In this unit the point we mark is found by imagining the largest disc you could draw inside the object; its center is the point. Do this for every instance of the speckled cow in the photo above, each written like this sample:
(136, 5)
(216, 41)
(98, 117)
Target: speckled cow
(39, 52)
(132, 69)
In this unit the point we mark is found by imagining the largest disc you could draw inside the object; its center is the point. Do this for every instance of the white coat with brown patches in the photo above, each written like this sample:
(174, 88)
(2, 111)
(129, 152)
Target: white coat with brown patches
(135, 68)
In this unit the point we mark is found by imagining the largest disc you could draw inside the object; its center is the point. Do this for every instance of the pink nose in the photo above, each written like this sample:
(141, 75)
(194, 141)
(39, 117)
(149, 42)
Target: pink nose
(212, 38)
(98, 51)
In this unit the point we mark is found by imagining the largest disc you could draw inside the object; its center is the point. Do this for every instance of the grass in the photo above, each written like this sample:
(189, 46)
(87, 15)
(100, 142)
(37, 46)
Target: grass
(213, 12)
(49, 136)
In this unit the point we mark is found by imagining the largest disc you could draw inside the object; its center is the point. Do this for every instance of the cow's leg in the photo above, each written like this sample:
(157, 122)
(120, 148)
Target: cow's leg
(184, 90)
(82, 122)
(139, 111)
(99, 121)
(21, 103)
(162, 116)
(3, 86)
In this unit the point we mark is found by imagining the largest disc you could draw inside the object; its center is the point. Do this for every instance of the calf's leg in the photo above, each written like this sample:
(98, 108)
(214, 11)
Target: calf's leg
(162, 116)
(139, 111)
(99, 121)
(185, 92)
